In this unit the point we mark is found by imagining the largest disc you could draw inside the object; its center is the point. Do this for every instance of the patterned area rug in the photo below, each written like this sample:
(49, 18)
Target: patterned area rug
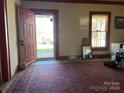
(68, 77)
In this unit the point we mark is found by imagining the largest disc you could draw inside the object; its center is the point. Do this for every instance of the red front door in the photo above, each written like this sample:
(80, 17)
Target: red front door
(27, 37)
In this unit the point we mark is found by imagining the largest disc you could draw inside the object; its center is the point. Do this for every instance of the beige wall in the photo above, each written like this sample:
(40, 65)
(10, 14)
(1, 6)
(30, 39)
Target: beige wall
(74, 23)
(12, 34)
(18, 1)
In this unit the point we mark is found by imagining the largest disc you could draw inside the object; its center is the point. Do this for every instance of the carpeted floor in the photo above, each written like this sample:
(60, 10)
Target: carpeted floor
(68, 77)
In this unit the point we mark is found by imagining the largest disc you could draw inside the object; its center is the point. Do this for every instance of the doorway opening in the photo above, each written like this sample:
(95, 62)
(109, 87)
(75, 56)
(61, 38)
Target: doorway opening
(45, 36)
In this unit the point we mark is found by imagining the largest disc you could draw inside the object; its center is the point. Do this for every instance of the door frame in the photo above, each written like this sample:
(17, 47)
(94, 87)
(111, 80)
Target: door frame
(106, 48)
(56, 23)
(4, 42)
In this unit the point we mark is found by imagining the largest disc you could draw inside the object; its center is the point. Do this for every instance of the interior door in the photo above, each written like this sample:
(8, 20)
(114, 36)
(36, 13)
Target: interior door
(27, 37)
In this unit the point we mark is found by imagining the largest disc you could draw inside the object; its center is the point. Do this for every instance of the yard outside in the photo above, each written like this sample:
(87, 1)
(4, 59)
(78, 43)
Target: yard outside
(44, 34)
(45, 50)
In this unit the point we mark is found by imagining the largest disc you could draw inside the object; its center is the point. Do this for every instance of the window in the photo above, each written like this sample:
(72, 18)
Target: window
(99, 29)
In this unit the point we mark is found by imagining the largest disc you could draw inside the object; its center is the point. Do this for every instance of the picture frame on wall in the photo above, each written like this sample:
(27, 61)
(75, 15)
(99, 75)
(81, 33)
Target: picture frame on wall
(119, 22)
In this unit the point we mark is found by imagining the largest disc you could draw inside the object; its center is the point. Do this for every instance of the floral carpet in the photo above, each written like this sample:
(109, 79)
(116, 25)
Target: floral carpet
(68, 77)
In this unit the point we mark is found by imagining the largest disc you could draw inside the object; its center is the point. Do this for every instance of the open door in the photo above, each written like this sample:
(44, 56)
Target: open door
(27, 36)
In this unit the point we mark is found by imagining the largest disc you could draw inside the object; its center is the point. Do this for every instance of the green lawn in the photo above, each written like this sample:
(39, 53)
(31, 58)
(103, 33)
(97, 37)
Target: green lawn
(45, 50)
(43, 53)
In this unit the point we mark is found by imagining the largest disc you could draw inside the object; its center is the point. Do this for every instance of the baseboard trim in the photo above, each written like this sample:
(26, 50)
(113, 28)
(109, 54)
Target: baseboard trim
(22, 66)
(68, 57)
(63, 58)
